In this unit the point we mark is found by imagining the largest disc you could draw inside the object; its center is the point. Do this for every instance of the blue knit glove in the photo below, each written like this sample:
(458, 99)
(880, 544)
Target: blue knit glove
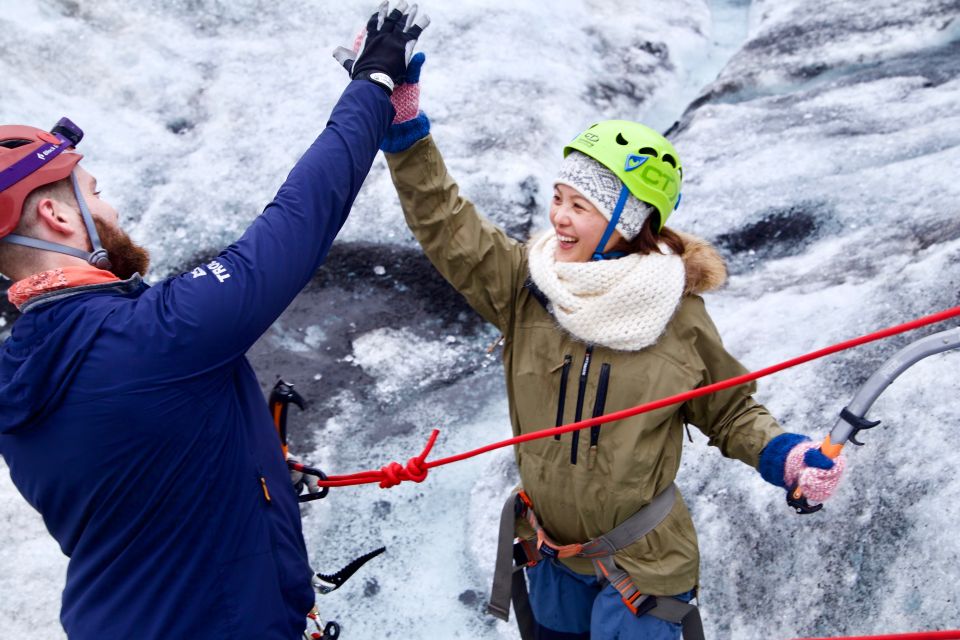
(410, 124)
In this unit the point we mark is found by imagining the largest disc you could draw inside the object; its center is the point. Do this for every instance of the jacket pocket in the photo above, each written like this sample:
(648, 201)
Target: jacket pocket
(598, 407)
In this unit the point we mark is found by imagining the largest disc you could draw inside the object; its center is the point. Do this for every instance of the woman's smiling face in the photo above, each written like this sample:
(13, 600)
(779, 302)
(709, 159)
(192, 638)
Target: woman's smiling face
(578, 224)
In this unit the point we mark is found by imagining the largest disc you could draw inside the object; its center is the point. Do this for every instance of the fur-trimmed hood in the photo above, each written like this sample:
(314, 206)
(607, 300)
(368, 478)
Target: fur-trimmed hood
(705, 268)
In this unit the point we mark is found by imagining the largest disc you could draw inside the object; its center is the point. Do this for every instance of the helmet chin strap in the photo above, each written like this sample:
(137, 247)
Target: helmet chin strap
(97, 258)
(598, 253)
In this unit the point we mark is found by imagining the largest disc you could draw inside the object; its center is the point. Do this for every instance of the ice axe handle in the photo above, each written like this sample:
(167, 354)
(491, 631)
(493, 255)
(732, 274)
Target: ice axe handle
(829, 449)
(852, 419)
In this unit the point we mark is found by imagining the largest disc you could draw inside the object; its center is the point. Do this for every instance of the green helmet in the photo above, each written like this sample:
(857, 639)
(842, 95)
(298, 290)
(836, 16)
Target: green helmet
(642, 158)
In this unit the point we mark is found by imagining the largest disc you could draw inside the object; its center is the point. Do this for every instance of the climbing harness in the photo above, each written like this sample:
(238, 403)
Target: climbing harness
(853, 419)
(509, 584)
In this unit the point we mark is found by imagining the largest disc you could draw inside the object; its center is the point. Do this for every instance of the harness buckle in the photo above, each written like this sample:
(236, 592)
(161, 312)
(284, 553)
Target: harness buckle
(546, 550)
(523, 503)
(525, 554)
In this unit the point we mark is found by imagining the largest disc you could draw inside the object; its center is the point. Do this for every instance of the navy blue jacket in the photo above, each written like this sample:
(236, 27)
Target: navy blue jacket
(131, 420)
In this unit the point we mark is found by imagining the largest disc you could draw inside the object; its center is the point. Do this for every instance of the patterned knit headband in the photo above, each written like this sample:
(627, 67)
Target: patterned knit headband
(602, 188)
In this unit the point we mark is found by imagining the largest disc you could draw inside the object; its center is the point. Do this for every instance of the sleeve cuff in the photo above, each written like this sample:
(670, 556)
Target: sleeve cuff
(402, 136)
(773, 458)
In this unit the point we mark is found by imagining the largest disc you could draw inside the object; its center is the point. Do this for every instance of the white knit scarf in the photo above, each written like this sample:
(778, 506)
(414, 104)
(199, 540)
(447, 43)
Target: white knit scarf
(622, 304)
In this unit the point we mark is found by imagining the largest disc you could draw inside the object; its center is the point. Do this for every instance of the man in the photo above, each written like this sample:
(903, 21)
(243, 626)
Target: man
(129, 416)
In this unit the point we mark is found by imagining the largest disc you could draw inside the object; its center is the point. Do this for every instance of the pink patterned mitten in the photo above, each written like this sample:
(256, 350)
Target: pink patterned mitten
(816, 475)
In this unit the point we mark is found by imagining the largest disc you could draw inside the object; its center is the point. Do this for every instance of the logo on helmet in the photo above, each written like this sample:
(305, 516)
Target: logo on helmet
(651, 175)
(634, 161)
(659, 180)
(589, 139)
(46, 152)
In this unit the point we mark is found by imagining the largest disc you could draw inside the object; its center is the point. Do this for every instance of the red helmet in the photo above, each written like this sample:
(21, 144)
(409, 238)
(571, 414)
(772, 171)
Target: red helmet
(31, 158)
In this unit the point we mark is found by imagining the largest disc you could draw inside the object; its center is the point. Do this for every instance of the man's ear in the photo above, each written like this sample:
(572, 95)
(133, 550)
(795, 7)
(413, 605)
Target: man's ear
(56, 217)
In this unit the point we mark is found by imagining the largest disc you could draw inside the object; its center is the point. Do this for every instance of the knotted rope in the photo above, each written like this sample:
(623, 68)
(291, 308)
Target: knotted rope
(417, 468)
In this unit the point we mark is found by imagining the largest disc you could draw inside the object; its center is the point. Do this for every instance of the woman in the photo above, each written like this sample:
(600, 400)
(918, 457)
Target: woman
(600, 313)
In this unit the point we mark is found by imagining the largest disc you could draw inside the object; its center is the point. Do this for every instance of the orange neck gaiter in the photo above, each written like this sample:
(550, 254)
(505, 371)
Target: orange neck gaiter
(54, 280)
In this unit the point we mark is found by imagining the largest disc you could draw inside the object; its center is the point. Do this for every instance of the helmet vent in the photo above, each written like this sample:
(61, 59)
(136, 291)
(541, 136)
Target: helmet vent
(648, 151)
(670, 160)
(13, 144)
(621, 139)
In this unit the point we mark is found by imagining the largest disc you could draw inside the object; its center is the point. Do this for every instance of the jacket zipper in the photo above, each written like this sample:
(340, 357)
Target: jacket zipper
(598, 406)
(263, 485)
(580, 393)
(563, 391)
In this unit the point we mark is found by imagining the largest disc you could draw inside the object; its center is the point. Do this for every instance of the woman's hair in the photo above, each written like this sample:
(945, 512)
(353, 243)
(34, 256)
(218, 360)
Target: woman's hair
(649, 241)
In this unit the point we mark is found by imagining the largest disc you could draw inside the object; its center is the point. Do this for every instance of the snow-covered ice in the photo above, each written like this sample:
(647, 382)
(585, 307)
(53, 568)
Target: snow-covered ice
(820, 142)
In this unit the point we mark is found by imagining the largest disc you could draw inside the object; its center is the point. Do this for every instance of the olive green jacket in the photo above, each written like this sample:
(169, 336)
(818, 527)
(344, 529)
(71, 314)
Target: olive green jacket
(586, 483)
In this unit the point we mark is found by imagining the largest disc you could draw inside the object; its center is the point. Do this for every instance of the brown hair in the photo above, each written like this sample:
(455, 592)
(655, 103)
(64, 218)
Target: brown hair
(649, 241)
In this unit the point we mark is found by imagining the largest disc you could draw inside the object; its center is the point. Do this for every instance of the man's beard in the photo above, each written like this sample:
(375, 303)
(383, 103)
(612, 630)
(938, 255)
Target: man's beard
(126, 257)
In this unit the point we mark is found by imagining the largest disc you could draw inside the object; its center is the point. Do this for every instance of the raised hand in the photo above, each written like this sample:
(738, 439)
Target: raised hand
(387, 45)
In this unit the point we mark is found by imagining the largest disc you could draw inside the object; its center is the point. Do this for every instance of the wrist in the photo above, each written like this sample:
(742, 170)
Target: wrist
(406, 102)
(402, 136)
(773, 458)
(378, 78)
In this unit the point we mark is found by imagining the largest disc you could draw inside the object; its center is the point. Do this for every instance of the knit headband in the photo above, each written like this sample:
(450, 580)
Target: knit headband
(602, 188)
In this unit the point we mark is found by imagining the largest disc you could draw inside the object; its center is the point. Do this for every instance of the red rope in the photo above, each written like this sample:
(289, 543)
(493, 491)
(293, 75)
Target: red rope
(417, 468)
(920, 635)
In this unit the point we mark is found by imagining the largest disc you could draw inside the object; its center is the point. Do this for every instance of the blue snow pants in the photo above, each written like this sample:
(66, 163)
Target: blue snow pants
(571, 606)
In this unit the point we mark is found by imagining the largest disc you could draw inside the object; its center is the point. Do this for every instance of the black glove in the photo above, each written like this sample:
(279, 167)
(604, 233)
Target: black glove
(386, 47)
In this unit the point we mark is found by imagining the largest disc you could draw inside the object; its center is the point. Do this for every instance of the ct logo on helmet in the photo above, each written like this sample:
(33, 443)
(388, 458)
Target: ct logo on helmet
(651, 175)
(659, 180)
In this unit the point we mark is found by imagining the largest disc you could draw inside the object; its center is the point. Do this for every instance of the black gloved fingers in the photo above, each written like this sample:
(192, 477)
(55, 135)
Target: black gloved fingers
(417, 21)
(387, 46)
(395, 17)
(375, 23)
(412, 34)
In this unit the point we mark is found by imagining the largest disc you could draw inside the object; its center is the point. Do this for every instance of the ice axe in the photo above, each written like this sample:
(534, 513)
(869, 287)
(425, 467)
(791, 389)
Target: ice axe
(853, 419)
(281, 397)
